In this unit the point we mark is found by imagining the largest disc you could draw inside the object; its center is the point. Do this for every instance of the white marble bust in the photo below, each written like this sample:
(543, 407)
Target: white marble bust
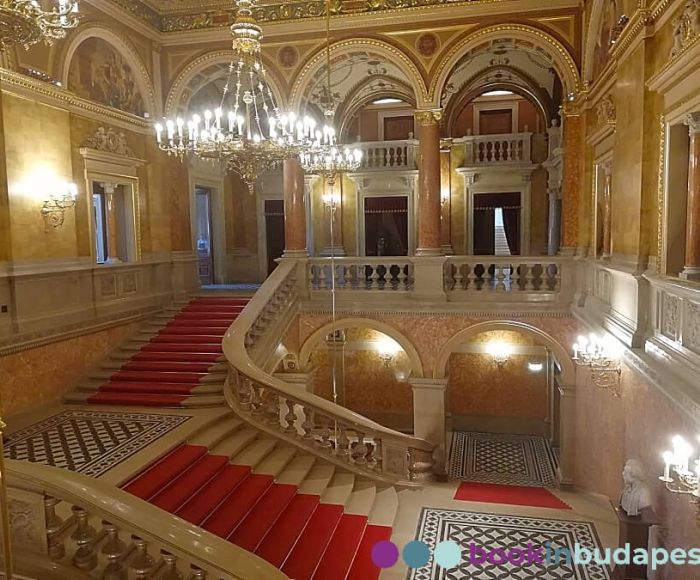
(635, 494)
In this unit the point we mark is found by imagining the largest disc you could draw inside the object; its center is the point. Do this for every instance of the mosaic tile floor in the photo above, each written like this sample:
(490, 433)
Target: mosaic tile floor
(502, 458)
(491, 531)
(87, 441)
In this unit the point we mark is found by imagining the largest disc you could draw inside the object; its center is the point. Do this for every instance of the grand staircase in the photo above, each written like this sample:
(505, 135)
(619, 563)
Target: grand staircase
(175, 361)
(303, 515)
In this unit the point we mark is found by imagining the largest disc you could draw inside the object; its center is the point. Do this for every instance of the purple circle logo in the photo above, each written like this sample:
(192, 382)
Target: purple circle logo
(385, 554)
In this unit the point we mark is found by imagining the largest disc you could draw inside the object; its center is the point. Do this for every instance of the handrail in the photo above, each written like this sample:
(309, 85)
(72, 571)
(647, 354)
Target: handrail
(301, 418)
(69, 521)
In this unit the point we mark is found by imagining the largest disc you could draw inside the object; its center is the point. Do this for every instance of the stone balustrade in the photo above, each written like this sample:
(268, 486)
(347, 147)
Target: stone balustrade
(501, 149)
(68, 525)
(305, 420)
(355, 274)
(383, 155)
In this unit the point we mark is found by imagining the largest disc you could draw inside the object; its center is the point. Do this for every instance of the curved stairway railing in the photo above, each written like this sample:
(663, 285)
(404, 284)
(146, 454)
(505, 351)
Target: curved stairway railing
(69, 525)
(303, 419)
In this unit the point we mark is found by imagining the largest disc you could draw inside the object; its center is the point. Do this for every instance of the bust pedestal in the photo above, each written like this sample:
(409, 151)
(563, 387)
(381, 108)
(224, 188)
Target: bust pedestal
(634, 530)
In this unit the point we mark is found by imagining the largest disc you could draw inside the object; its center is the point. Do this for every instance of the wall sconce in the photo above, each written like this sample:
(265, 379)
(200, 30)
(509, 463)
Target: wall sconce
(387, 348)
(601, 356)
(54, 208)
(677, 477)
(535, 367)
(331, 200)
(500, 352)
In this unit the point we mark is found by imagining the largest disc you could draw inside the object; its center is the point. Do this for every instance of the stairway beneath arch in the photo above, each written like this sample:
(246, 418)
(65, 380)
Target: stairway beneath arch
(175, 361)
(308, 518)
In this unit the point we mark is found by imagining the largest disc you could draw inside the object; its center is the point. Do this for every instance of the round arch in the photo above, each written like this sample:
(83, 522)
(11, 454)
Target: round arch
(353, 104)
(321, 333)
(124, 46)
(393, 54)
(563, 60)
(568, 371)
(456, 105)
(199, 64)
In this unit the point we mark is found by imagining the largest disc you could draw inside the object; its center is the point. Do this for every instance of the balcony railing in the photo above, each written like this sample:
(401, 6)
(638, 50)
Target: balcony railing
(383, 155)
(355, 274)
(501, 149)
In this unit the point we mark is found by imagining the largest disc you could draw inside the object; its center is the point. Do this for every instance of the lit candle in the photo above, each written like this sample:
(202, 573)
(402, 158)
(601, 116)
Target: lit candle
(575, 351)
(159, 133)
(231, 121)
(180, 125)
(668, 458)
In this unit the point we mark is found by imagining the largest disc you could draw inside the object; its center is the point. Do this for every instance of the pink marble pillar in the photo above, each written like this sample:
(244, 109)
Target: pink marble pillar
(446, 199)
(571, 178)
(692, 228)
(294, 211)
(429, 207)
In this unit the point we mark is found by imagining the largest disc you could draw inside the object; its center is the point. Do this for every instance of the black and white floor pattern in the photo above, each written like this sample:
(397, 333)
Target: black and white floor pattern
(506, 532)
(87, 441)
(502, 458)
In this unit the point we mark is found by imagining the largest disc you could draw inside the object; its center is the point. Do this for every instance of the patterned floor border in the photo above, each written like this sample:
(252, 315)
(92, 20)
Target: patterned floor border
(89, 442)
(502, 458)
(490, 531)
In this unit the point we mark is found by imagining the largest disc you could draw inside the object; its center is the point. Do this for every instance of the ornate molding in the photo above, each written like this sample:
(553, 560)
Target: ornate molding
(606, 112)
(429, 117)
(693, 122)
(109, 141)
(686, 28)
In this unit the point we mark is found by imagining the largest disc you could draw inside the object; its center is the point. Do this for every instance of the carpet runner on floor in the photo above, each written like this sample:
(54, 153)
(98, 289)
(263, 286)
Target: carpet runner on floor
(176, 360)
(509, 494)
(306, 539)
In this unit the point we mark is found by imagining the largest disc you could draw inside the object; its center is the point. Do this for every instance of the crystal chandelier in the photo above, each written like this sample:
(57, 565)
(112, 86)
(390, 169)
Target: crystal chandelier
(323, 156)
(26, 22)
(247, 132)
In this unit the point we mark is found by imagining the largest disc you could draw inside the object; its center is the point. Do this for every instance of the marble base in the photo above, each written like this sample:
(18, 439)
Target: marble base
(338, 252)
(691, 273)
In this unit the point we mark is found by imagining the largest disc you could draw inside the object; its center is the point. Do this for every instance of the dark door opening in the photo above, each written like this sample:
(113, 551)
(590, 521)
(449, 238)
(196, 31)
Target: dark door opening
(205, 253)
(386, 226)
(274, 231)
(496, 224)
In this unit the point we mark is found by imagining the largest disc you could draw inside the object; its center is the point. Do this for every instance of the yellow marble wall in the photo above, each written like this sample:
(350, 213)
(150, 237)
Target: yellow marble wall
(37, 157)
(479, 387)
(36, 376)
(5, 238)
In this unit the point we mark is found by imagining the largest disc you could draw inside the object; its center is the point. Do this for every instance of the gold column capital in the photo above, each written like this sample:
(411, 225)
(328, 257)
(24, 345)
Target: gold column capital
(427, 117)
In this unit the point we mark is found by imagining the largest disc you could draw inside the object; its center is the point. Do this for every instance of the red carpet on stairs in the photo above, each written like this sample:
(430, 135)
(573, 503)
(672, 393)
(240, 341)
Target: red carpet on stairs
(509, 494)
(308, 540)
(166, 369)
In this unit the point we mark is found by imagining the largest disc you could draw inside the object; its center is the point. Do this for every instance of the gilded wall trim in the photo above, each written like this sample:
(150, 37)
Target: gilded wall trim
(661, 198)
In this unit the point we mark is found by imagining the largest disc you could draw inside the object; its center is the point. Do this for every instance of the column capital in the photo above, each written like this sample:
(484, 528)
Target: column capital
(693, 122)
(427, 117)
(428, 384)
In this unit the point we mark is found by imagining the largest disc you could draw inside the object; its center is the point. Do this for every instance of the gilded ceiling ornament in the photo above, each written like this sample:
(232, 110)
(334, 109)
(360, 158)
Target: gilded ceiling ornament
(427, 44)
(606, 111)
(109, 141)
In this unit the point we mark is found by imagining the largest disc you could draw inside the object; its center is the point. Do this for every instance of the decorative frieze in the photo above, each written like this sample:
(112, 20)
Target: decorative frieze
(606, 112)
(691, 327)
(686, 27)
(670, 316)
(109, 141)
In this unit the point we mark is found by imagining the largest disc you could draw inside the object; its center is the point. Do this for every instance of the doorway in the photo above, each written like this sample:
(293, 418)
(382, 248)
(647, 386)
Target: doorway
(274, 231)
(205, 252)
(497, 225)
(386, 225)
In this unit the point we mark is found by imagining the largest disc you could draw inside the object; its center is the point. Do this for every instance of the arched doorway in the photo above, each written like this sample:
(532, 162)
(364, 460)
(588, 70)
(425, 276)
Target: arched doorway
(509, 389)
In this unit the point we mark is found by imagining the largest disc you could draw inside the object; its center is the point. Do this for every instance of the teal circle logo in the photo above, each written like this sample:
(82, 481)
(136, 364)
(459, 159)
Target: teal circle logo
(416, 554)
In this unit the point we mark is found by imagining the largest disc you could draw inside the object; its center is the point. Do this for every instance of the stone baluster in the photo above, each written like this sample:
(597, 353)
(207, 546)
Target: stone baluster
(360, 450)
(197, 574)
(528, 270)
(257, 402)
(325, 433)
(54, 526)
(374, 278)
(84, 536)
(272, 408)
(308, 425)
(170, 571)
(290, 418)
(142, 563)
(499, 271)
(114, 550)
(343, 445)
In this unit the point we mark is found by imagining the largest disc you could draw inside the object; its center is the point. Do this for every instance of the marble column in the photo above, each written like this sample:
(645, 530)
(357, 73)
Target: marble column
(111, 219)
(692, 227)
(572, 175)
(446, 200)
(294, 210)
(554, 223)
(607, 212)
(429, 209)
